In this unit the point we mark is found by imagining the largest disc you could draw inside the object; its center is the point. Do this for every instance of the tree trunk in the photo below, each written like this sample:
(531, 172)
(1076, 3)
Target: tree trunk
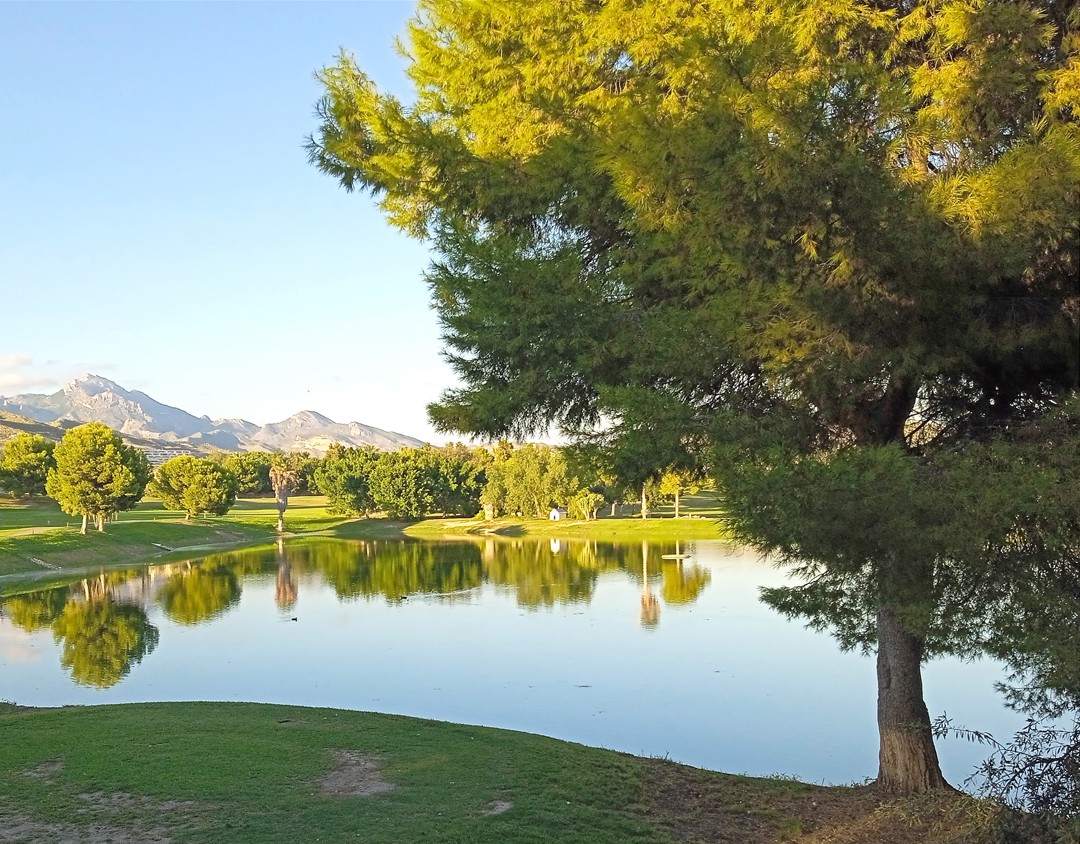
(82, 530)
(908, 761)
(676, 504)
(644, 504)
(100, 518)
(613, 506)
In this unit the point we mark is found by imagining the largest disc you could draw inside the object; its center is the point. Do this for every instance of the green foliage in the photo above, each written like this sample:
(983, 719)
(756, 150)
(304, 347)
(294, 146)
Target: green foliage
(195, 486)
(461, 479)
(405, 483)
(675, 483)
(251, 470)
(584, 504)
(96, 474)
(342, 477)
(529, 480)
(25, 460)
(408, 483)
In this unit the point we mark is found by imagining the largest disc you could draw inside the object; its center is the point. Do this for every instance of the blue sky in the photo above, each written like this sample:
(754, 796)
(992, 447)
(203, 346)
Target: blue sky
(160, 224)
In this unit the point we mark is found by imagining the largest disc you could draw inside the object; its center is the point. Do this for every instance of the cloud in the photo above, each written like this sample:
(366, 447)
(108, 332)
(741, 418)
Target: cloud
(16, 645)
(14, 361)
(17, 374)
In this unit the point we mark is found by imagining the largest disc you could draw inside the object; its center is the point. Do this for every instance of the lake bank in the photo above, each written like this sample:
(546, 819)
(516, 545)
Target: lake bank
(263, 773)
(40, 546)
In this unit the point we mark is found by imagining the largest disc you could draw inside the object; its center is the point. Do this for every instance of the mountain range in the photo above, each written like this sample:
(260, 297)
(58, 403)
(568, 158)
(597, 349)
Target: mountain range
(146, 421)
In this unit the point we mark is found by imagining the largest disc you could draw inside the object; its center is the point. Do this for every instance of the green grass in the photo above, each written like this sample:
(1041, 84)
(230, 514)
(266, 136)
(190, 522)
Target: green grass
(205, 772)
(606, 530)
(243, 772)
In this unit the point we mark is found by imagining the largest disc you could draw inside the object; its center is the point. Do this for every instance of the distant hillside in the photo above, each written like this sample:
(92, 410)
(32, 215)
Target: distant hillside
(12, 424)
(145, 421)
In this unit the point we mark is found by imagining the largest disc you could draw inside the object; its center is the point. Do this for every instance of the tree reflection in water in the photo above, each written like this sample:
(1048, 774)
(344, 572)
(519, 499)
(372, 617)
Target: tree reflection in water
(286, 590)
(650, 606)
(198, 593)
(101, 636)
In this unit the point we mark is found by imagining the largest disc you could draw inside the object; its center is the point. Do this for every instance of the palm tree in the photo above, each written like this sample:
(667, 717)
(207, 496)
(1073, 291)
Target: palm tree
(284, 479)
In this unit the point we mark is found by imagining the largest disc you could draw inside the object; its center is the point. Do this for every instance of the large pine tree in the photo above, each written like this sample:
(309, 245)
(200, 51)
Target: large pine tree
(835, 242)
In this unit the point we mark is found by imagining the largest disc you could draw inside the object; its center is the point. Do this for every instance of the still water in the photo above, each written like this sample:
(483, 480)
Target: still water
(616, 646)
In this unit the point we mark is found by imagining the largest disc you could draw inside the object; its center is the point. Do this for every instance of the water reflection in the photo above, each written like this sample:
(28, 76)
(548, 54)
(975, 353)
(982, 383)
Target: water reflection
(286, 590)
(199, 593)
(104, 628)
(650, 606)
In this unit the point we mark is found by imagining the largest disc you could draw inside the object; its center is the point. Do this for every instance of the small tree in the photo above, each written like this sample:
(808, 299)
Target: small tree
(674, 482)
(585, 504)
(25, 461)
(96, 474)
(195, 485)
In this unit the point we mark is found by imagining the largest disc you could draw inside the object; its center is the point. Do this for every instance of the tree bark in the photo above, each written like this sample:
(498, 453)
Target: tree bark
(82, 530)
(644, 504)
(907, 761)
(676, 504)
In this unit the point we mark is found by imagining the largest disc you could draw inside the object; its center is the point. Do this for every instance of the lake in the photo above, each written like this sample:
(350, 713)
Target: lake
(607, 645)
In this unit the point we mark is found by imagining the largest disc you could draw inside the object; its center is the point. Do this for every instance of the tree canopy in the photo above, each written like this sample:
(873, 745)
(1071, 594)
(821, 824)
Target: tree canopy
(25, 460)
(833, 243)
(195, 485)
(96, 473)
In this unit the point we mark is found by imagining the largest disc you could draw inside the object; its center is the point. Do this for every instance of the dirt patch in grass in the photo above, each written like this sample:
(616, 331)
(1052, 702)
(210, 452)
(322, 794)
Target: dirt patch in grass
(132, 827)
(46, 771)
(19, 828)
(498, 807)
(100, 801)
(23, 830)
(355, 775)
(701, 806)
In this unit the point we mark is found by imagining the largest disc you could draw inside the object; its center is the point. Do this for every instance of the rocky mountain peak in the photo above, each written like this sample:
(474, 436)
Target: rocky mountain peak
(92, 385)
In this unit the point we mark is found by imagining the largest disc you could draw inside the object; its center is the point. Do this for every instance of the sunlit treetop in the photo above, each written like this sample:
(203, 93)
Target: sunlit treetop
(867, 204)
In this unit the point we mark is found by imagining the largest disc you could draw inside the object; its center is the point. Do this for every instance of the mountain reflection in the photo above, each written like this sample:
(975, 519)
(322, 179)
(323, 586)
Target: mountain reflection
(104, 628)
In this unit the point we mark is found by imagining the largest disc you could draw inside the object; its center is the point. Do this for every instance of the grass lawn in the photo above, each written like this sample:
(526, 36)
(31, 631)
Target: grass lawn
(604, 530)
(206, 772)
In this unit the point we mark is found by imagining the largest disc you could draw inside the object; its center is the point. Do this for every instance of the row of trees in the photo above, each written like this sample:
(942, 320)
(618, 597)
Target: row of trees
(93, 474)
(528, 480)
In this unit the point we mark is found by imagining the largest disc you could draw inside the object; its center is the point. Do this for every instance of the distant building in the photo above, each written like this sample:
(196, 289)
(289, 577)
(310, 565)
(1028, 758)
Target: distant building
(157, 456)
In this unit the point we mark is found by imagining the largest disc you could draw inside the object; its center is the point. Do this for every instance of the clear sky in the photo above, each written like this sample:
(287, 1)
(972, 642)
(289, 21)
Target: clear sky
(160, 224)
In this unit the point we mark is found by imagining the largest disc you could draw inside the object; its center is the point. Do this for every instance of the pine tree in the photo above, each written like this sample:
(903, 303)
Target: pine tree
(833, 243)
